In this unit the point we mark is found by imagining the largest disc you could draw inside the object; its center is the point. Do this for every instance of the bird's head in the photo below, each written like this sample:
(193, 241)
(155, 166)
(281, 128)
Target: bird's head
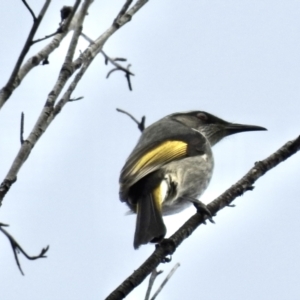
(212, 127)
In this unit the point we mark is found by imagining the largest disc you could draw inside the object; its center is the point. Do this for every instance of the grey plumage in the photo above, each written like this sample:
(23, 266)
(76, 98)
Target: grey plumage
(171, 165)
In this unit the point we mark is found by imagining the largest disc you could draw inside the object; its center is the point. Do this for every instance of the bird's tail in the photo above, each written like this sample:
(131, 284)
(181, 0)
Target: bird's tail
(149, 222)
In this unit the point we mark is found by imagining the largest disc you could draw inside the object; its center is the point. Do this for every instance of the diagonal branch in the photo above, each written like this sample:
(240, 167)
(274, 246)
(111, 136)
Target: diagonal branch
(169, 246)
(165, 281)
(6, 91)
(20, 71)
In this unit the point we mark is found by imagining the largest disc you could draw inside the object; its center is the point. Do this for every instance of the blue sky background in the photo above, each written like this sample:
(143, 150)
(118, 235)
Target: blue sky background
(236, 59)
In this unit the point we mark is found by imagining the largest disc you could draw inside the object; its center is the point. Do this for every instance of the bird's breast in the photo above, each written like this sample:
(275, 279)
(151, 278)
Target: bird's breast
(190, 177)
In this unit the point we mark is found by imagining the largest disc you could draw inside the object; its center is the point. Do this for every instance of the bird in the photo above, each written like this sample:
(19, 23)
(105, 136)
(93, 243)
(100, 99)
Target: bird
(170, 167)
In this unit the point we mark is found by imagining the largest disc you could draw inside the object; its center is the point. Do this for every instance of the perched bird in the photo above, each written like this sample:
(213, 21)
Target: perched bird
(170, 167)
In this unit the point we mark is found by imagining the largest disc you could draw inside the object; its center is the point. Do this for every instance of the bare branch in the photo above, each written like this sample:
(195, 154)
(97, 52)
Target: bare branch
(168, 246)
(165, 281)
(97, 45)
(30, 10)
(6, 91)
(113, 61)
(118, 67)
(45, 37)
(22, 128)
(152, 278)
(75, 99)
(49, 111)
(141, 125)
(19, 72)
(46, 115)
(17, 248)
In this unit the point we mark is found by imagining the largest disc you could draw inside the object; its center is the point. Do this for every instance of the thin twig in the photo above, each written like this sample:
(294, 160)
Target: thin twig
(166, 280)
(118, 67)
(113, 61)
(45, 37)
(22, 128)
(17, 248)
(30, 10)
(75, 99)
(141, 125)
(168, 246)
(152, 278)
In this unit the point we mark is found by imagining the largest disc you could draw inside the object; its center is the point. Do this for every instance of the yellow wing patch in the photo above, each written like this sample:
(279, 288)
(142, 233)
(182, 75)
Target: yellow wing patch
(158, 197)
(162, 154)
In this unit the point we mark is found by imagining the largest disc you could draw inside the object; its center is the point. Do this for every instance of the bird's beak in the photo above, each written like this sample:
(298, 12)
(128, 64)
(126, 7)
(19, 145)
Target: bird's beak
(232, 128)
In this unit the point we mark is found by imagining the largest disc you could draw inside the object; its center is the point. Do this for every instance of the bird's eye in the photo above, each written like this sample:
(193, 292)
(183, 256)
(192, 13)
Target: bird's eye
(202, 116)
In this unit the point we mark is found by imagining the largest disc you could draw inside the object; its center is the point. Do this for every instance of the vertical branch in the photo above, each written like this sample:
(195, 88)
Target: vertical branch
(22, 128)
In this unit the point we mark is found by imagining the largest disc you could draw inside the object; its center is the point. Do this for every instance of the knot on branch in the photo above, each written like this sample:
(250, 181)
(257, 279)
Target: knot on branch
(118, 22)
(68, 68)
(261, 167)
(5, 186)
(167, 247)
(65, 12)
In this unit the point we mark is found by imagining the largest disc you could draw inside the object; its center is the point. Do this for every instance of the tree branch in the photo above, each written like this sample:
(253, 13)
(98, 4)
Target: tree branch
(19, 72)
(118, 67)
(113, 61)
(141, 125)
(17, 248)
(165, 281)
(152, 278)
(44, 119)
(7, 90)
(169, 246)
(22, 128)
(50, 110)
(30, 10)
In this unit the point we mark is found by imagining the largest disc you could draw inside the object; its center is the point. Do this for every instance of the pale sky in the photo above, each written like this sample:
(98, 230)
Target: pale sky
(239, 60)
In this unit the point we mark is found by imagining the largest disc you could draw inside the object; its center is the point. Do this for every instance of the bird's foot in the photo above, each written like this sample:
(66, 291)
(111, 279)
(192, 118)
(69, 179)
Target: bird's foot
(202, 209)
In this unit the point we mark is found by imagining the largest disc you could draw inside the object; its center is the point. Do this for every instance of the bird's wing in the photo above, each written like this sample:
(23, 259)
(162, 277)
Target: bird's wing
(152, 157)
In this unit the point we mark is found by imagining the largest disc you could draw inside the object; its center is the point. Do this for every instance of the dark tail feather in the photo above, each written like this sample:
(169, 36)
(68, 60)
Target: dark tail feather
(149, 223)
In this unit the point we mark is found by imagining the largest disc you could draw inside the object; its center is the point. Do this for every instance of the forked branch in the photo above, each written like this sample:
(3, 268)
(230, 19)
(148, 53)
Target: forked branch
(18, 249)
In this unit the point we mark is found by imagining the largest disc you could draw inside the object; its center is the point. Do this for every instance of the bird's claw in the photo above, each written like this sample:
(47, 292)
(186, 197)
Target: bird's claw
(202, 209)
